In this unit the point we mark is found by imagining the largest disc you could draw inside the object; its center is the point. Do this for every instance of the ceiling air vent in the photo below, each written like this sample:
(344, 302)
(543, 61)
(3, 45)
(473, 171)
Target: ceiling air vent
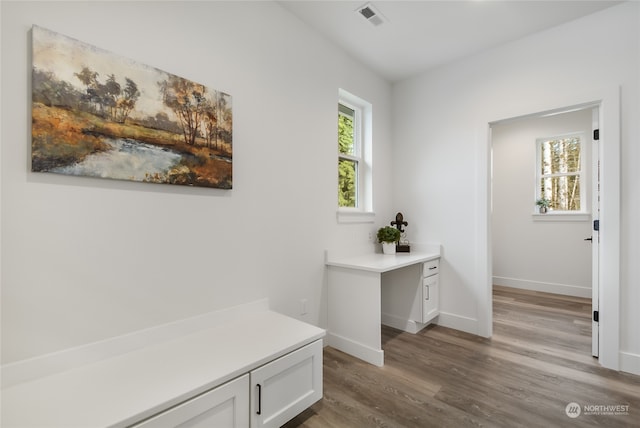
(371, 14)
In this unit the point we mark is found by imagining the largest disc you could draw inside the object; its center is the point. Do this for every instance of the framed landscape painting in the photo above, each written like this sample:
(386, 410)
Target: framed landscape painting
(98, 114)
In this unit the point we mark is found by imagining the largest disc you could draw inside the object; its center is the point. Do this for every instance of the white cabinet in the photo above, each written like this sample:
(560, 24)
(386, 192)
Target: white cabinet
(410, 296)
(430, 290)
(224, 406)
(268, 396)
(285, 387)
(367, 290)
(193, 374)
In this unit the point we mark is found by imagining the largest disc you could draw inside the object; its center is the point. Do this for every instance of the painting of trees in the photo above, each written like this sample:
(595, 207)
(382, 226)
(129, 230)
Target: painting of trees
(188, 102)
(97, 114)
(201, 112)
(109, 98)
(126, 103)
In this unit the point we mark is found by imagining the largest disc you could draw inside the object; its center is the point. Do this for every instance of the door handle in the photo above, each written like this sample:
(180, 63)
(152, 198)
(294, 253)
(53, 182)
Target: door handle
(259, 412)
(589, 238)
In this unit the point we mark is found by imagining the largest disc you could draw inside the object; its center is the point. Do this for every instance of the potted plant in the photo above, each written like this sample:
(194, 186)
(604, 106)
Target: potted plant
(388, 236)
(543, 204)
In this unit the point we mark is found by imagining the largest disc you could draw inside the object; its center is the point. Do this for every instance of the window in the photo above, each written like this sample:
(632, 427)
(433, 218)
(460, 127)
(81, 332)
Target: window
(560, 174)
(349, 150)
(354, 158)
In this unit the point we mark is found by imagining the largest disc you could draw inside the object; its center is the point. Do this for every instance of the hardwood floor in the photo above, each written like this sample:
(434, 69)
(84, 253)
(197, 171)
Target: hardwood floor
(537, 363)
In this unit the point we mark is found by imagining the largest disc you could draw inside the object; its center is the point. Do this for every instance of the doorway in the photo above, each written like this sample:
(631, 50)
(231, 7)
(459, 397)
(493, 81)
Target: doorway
(608, 101)
(550, 250)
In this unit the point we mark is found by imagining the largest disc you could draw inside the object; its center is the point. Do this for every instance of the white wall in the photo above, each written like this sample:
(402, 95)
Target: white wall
(87, 259)
(440, 128)
(537, 252)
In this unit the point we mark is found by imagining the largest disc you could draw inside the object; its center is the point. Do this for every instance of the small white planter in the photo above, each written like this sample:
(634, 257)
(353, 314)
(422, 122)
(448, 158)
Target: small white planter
(389, 247)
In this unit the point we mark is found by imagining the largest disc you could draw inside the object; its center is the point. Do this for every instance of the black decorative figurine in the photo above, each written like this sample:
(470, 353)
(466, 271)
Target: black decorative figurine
(401, 247)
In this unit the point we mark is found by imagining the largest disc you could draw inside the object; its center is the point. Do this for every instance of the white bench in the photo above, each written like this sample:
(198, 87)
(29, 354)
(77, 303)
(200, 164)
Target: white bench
(221, 367)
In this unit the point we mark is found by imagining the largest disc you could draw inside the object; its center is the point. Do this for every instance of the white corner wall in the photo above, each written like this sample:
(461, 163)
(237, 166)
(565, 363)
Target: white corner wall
(543, 253)
(441, 121)
(88, 259)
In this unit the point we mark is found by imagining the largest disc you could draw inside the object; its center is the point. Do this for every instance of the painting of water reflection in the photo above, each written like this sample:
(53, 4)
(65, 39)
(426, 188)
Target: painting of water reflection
(97, 114)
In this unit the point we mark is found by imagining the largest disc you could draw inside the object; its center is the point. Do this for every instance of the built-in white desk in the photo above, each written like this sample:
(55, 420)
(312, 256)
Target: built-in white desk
(362, 288)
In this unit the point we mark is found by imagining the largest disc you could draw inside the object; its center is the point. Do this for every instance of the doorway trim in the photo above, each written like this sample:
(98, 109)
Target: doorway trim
(608, 101)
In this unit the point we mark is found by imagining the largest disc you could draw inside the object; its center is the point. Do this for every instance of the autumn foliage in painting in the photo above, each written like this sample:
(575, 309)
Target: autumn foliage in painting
(198, 114)
(82, 120)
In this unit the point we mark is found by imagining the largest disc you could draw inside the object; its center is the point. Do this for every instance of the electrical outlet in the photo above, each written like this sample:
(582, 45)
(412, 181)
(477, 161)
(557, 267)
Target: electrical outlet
(303, 306)
(370, 236)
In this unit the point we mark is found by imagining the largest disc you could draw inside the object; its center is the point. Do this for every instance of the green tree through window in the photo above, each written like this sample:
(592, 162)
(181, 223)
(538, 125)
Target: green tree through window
(560, 170)
(347, 158)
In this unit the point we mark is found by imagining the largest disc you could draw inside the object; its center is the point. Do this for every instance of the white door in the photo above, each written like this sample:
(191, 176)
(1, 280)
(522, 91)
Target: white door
(595, 235)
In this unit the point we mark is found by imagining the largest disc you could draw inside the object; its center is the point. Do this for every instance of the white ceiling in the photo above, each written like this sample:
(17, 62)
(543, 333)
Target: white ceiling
(419, 35)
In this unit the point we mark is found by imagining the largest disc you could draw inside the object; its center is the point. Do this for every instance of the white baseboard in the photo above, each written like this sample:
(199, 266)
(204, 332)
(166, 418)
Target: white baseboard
(630, 363)
(358, 350)
(409, 326)
(546, 287)
(37, 367)
(458, 322)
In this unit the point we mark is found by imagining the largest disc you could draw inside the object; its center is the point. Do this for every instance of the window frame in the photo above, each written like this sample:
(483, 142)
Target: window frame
(356, 156)
(362, 127)
(582, 176)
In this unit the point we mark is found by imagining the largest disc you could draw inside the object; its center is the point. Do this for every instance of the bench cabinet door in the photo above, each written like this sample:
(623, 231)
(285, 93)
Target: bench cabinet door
(224, 406)
(282, 389)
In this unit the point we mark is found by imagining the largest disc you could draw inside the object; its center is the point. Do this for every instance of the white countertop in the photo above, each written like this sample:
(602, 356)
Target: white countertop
(378, 262)
(121, 390)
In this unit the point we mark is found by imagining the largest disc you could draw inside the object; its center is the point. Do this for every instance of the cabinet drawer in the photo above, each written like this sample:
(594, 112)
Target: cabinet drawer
(431, 267)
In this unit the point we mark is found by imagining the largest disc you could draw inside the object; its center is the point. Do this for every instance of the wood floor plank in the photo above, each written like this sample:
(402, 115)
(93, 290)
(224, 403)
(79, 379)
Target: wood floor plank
(537, 362)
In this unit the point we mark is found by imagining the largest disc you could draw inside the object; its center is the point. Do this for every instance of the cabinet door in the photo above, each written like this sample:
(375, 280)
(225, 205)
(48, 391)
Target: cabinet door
(224, 406)
(285, 387)
(430, 296)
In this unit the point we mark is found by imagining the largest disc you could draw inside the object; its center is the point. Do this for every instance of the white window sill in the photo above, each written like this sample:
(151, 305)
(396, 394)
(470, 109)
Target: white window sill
(355, 216)
(561, 216)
